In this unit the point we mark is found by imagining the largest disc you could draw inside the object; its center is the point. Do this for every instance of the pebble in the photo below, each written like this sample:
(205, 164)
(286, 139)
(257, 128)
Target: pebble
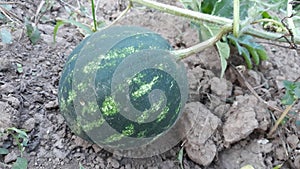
(51, 105)
(7, 88)
(293, 140)
(29, 124)
(10, 157)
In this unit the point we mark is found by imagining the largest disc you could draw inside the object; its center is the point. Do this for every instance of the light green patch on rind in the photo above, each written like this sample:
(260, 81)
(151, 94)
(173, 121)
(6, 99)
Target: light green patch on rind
(72, 95)
(121, 53)
(62, 106)
(117, 54)
(82, 86)
(90, 108)
(94, 124)
(129, 130)
(91, 67)
(114, 137)
(160, 66)
(142, 134)
(137, 79)
(109, 107)
(154, 108)
(178, 109)
(163, 114)
(145, 88)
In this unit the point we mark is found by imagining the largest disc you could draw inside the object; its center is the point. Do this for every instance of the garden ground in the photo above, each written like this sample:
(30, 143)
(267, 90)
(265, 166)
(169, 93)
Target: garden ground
(232, 125)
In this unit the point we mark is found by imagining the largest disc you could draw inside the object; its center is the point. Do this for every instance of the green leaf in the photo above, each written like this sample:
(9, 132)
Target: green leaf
(5, 36)
(253, 53)
(19, 68)
(21, 163)
(289, 85)
(20, 134)
(58, 24)
(223, 8)
(87, 30)
(262, 54)
(247, 58)
(224, 52)
(207, 6)
(297, 92)
(80, 166)
(248, 49)
(32, 32)
(265, 14)
(223, 48)
(180, 158)
(288, 98)
(194, 5)
(3, 151)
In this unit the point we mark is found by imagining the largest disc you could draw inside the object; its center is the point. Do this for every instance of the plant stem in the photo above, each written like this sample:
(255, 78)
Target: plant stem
(236, 18)
(192, 15)
(94, 16)
(200, 17)
(183, 53)
(282, 116)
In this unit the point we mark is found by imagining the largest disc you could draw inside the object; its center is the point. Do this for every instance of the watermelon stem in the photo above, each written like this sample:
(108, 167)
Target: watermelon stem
(183, 53)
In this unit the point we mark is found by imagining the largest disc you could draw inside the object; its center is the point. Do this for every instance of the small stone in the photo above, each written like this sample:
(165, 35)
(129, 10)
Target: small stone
(5, 111)
(202, 154)
(14, 102)
(5, 64)
(59, 153)
(29, 124)
(96, 148)
(51, 105)
(297, 161)
(59, 143)
(241, 120)
(220, 87)
(253, 78)
(7, 88)
(113, 162)
(200, 124)
(280, 153)
(10, 157)
(81, 142)
(293, 141)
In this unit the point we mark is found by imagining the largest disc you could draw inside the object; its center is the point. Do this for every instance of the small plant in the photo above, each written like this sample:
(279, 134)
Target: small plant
(21, 139)
(292, 95)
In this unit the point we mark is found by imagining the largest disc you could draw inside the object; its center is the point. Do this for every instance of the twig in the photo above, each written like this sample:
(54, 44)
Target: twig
(282, 116)
(243, 80)
(36, 17)
(290, 33)
(9, 14)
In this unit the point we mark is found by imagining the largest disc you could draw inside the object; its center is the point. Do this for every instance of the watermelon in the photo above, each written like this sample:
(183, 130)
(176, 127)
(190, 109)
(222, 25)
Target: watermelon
(121, 88)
